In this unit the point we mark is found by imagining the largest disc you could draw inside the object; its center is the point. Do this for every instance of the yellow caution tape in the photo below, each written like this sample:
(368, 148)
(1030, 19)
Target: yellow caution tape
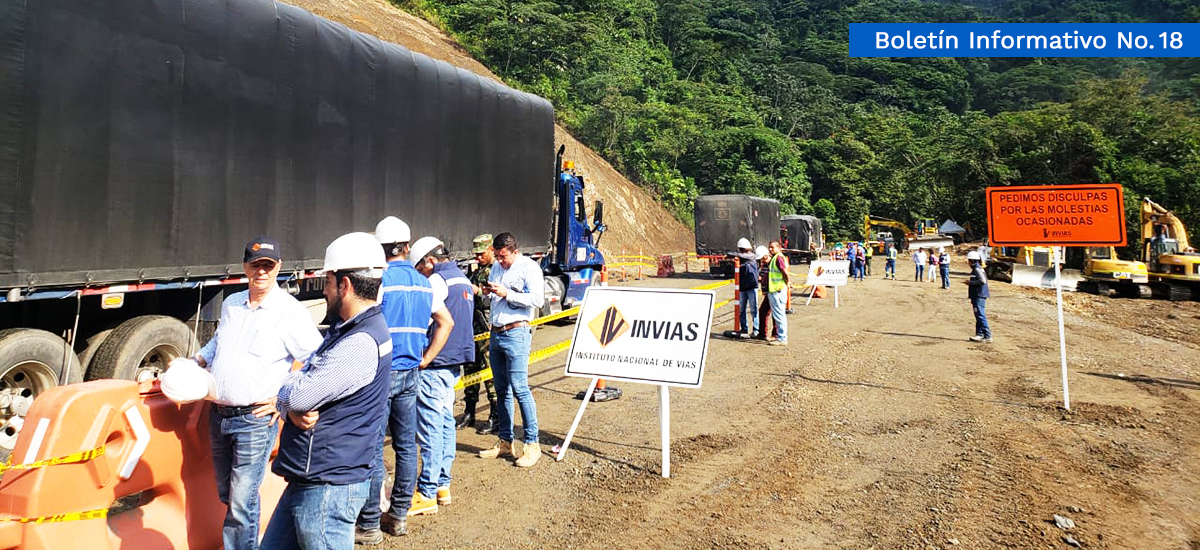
(73, 516)
(632, 264)
(474, 378)
(546, 353)
(556, 316)
(711, 286)
(722, 304)
(73, 458)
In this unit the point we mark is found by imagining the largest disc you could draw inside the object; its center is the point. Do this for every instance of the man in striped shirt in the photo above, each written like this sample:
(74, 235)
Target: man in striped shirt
(407, 303)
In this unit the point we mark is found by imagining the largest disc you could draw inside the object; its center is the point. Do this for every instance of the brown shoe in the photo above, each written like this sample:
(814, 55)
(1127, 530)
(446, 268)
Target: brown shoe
(499, 449)
(529, 455)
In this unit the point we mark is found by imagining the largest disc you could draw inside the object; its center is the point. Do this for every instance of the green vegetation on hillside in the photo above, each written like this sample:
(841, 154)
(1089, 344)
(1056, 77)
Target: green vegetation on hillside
(693, 97)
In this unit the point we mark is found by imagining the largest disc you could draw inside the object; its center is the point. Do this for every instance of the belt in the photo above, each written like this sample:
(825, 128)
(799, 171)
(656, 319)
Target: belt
(511, 326)
(230, 412)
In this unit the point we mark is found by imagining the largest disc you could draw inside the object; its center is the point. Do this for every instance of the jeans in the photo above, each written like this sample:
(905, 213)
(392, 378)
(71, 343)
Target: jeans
(867, 266)
(748, 303)
(402, 425)
(920, 273)
(981, 324)
(241, 446)
(315, 516)
(859, 268)
(435, 427)
(778, 304)
(890, 268)
(510, 369)
(764, 310)
(945, 275)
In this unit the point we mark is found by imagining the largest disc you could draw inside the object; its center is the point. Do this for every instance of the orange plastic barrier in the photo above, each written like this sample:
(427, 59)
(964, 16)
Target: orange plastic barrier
(156, 457)
(666, 266)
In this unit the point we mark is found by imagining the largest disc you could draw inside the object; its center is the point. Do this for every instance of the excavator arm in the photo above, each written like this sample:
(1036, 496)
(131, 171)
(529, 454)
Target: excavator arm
(873, 221)
(1154, 214)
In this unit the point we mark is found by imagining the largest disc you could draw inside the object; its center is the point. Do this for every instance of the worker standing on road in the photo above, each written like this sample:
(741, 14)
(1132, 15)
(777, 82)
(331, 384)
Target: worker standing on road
(919, 261)
(747, 288)
(407, 303)
(889, 270)
(517, 292)
(440, 372)
(933, 266)
(860, 261)
(779, 284)
(764, 308)
(870, 253)
(263, 331)
(944, 266)
(333, 408)
(977, 292)
(482, 248)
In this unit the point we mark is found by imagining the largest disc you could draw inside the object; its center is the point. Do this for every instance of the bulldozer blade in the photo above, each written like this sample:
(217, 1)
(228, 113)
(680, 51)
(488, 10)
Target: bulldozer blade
(931, 242)
(1043, 277)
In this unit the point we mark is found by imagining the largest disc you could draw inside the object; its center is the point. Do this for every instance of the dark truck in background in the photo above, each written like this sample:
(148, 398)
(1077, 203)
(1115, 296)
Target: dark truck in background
(802, 238)
(723, 219)
(143, 142)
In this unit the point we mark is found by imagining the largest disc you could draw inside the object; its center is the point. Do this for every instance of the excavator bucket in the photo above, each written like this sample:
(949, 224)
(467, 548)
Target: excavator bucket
(1043, 277)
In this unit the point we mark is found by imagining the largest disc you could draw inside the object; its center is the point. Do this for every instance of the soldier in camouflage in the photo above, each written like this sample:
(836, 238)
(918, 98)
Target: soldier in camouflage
(479, 278)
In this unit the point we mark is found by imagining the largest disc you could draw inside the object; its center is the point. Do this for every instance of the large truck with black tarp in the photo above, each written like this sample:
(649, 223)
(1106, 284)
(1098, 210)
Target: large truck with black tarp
(142, 143)
(723, 219)
(802, 237)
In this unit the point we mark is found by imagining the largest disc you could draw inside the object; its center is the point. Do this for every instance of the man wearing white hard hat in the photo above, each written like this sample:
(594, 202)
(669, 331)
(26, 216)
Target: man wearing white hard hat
(977, 292)
(333, 407)
(747, 288)
(435, 393)
(407, 303)
(263, 330)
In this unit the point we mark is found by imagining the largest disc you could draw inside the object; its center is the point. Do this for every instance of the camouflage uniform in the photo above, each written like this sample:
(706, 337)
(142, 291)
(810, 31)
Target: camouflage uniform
(482, 325)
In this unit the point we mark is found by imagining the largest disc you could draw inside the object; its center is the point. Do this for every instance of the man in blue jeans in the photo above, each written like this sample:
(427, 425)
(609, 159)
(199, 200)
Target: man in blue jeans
(333, 408)
(407, 306)
(517, 293)
(436, 431)
(779, 284)
(263, 331)
(747, 288)
(977, 292)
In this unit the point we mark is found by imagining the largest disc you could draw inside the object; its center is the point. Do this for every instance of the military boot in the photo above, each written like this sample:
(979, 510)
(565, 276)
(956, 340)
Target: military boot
(489, 427)
(468, 417)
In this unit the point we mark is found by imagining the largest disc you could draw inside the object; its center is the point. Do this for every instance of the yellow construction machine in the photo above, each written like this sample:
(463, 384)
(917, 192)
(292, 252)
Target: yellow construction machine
(926, 236)
(1173, 265)
(1106, 274)
(1028, 266)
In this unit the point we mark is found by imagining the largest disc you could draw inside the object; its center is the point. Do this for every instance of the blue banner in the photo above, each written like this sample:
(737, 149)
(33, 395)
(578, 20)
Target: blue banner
(1025, 40)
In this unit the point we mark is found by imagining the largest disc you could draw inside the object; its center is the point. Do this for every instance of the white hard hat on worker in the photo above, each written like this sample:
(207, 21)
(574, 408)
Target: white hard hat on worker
(974, 255)
(761, 252)
(743, 244)
(392, 230)
(422, 248)
(355, 252)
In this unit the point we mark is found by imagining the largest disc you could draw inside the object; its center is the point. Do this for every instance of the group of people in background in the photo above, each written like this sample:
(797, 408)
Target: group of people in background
(402, 323)
(930, 265)
(765, 268)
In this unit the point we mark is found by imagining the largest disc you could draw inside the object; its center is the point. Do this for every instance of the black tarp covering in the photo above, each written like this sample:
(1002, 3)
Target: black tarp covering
(804, 232)
(150, 139)
(723, 219)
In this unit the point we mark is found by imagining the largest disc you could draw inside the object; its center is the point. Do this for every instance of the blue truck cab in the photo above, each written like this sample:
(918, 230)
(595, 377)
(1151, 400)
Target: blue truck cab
(575, 262)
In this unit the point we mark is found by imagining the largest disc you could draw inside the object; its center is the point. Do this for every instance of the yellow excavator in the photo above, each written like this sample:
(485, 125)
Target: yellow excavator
(1106, 274)
(1173, 265)
(926, 235)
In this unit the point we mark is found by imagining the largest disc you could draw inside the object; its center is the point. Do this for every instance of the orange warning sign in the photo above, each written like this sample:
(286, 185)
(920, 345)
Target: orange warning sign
(1064, 215)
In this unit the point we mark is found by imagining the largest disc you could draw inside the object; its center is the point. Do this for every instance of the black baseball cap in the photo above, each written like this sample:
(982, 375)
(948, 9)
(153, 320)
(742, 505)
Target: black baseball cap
(261, 247)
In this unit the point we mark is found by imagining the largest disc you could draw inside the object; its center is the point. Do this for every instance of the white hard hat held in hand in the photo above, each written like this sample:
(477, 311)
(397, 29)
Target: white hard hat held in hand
(422, 248)
(743, 244)
(392, 230)
(185, 382)
(354, 252)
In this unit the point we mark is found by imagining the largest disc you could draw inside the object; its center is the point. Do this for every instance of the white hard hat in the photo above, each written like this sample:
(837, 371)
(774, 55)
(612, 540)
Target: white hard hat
(744, 243)
(184, 381)
(392, 230)
(761, 251)
(941, 249)
(422, 248)
(973, 255)
(354, 251)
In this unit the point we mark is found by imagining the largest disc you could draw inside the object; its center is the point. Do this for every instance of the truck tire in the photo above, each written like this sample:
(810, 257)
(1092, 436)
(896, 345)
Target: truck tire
(31, 362)
(93, 344)
(141, 348)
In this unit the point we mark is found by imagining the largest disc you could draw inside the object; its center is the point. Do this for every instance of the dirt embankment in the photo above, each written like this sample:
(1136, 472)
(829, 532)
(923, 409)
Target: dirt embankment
(636, 222)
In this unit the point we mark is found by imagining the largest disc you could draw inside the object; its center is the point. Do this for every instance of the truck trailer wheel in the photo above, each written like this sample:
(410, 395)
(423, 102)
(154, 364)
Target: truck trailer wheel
(140, 349)
(31, 362)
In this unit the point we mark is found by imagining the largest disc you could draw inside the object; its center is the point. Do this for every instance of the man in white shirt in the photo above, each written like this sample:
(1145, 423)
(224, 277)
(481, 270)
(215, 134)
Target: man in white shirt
(517, 292)
(919, 260)
(263, 330)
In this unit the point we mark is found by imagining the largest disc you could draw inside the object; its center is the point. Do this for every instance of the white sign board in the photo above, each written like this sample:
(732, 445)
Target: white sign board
(828, 273)
(650, 336)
